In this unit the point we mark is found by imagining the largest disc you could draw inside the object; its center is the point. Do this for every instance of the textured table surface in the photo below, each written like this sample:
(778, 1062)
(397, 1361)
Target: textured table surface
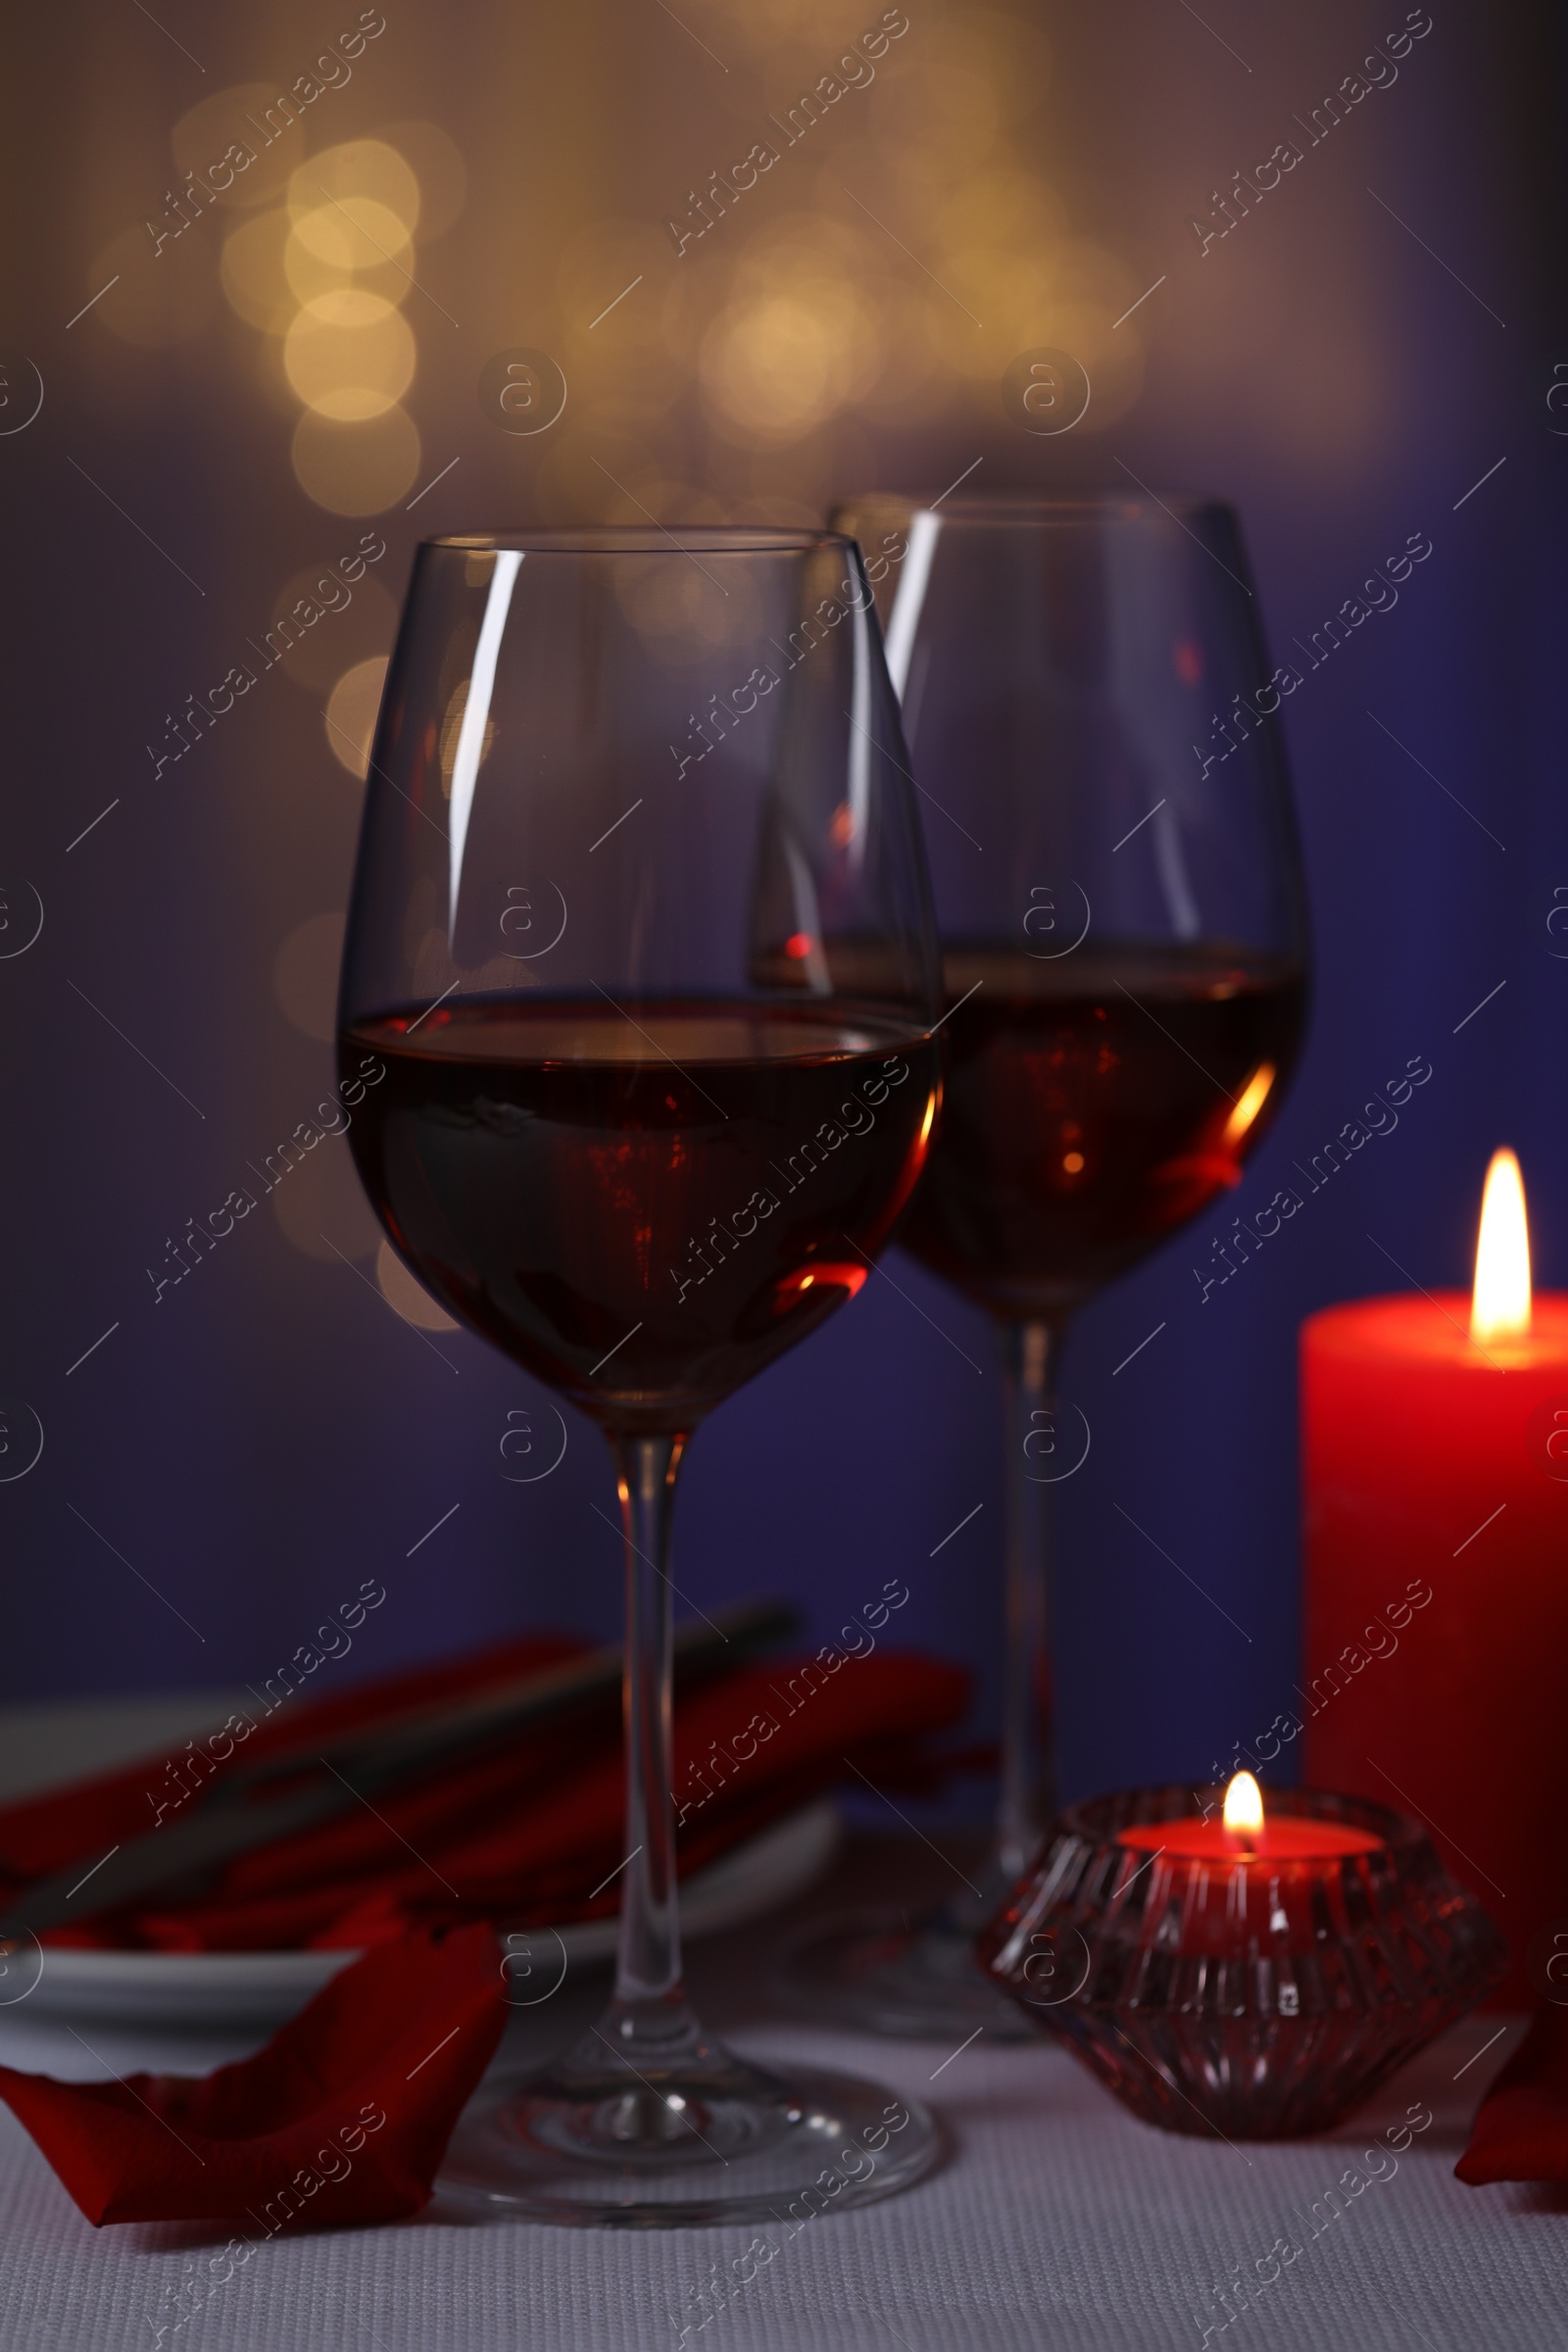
(1055, 2219)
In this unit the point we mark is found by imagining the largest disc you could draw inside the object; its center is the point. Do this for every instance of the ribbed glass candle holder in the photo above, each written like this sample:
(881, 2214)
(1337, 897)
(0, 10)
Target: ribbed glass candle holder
(1257, 1995)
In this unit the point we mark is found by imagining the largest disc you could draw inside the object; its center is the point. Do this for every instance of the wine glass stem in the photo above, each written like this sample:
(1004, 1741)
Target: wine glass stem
(649, 1992)
(1029, 1354)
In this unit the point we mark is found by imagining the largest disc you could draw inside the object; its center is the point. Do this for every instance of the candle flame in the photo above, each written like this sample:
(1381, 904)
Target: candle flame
(1248, 1103)
(1499, 1306)
(1243, 1806)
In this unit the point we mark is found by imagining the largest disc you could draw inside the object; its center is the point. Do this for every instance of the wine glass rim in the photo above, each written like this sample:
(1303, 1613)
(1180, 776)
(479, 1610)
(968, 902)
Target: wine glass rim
(1037, 508)
(647, 539)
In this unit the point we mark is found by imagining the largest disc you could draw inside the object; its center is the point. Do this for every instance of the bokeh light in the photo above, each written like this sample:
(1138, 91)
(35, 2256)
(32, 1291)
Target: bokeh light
(355, 623)
(399, 1290)
(252, 274)
(320, 1206)
(353, 239)
(351, 713)
(325, 273)
(355, 468)
(678, 610)
(237, 118)
(350, 354)
(436, 162)
(155, 307)
(801, 334)
(776, 367)
(308, 271)
(358, 173)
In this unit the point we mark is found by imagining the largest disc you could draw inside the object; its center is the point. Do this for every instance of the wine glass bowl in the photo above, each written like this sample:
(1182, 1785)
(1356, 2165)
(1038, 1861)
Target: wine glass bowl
(618, 814)
(1091, 723)
(641, 943)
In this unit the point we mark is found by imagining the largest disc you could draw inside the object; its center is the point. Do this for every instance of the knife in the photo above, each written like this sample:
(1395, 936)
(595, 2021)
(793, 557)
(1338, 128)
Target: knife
(245, 1809)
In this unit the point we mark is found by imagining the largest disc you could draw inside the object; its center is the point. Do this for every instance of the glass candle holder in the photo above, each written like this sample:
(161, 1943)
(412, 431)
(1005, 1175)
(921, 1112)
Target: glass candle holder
(1256, 1989)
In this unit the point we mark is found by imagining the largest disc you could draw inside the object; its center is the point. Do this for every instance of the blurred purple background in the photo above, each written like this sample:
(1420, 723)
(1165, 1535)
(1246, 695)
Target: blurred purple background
(1370, 340)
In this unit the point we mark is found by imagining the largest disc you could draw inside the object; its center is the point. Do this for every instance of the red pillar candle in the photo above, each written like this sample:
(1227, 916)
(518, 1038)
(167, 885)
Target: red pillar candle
(1435, 1462)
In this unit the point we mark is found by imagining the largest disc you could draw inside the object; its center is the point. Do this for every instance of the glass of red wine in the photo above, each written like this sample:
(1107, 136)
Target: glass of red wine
(1092, 721)
(641, 932)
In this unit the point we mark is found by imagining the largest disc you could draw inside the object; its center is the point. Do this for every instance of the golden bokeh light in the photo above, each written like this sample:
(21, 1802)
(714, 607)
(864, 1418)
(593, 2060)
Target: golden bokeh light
(436, 162)
(355, 621)
(253, 275)
(274, 264)
(680, 611)
(819, 321)
(307, 274)
(1064, 295)
(356, 234)
(810, 328)
(320, 1206)
(355, 468)
(799, 337)
(350, 354)
(351, 713)
(252, 118)
(325, 275)
(1000, 206)
(153, 307)
(766, 366)
(767, 26)
(362, 244)
(958, 96)
(954, 107)
(399, 1290)
(359, 170)
(803, 329)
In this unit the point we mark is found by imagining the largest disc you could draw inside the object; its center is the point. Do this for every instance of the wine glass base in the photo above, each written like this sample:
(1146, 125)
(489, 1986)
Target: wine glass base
(726, 2142)
(920, 1983)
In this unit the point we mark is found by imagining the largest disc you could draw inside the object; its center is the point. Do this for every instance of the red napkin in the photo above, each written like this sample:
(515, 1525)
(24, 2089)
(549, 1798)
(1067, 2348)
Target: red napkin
(522, 1837)
(343, 2117)
(1521, 2132)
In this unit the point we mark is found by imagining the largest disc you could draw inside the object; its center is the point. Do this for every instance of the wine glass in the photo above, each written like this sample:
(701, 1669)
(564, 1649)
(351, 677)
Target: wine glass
(641, 939)
(1092, 728)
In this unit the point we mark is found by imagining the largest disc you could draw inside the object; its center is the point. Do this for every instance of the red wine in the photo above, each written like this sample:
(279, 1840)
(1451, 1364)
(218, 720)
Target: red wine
(643, 1207)
(1090, 1107)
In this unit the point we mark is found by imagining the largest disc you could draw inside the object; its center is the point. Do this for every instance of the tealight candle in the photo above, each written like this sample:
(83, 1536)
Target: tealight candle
(1242, 1833)
(1248, 1975)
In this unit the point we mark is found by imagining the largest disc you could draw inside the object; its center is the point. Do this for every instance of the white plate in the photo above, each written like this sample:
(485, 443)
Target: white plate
(208, 1988)
(44, 1747)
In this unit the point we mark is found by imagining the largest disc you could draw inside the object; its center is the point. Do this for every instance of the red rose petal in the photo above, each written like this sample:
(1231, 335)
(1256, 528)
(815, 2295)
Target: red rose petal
(344, 2116)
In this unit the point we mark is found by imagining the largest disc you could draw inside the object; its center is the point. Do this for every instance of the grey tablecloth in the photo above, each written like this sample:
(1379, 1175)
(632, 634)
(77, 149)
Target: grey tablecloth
(1055, 2219)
